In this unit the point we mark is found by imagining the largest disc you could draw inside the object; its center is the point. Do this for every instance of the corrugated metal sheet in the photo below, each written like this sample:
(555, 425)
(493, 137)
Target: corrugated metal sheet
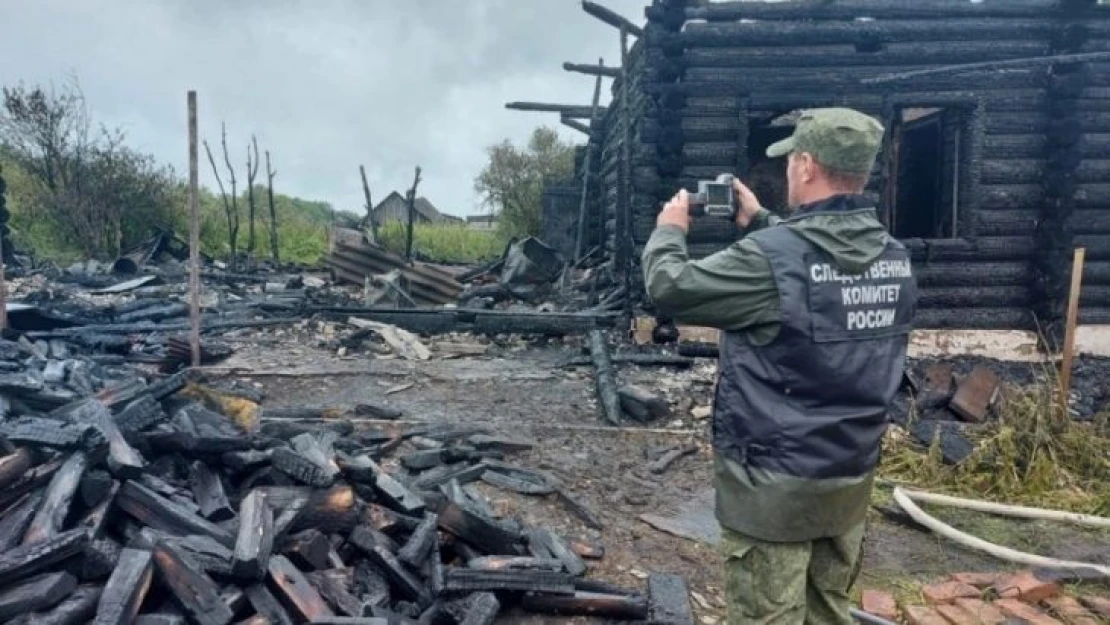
(352, 260)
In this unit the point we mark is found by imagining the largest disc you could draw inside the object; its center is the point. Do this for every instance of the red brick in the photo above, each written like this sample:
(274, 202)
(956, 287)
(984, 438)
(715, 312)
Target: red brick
(1025, 586)
(1016, 609)
(982, 612)
(920, 615)
(1070, 610)
(1098, 605)
(979, 580)
(975, 395)
(880, 604)
(947, 592)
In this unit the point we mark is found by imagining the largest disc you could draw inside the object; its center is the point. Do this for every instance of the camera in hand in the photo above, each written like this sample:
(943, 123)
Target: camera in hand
(715, 198)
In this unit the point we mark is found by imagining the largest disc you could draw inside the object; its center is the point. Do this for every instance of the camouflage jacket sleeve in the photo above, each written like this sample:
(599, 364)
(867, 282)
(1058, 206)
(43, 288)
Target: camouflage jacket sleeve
(730, 290)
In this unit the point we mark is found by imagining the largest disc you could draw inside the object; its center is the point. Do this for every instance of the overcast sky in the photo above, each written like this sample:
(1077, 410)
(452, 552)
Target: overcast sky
(324, 84)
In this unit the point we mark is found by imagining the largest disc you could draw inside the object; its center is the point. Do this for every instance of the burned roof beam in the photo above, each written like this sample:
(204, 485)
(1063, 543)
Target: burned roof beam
(991, 65)
(848, 9)
(611, 18)
(577, 125)
(593, 70)
(574, 111)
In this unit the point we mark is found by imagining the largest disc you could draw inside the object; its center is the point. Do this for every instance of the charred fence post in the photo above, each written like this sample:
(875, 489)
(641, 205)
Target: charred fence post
(1064, 143)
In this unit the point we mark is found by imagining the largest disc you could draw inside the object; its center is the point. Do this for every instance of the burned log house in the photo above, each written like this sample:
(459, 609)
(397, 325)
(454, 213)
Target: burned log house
(991, 173)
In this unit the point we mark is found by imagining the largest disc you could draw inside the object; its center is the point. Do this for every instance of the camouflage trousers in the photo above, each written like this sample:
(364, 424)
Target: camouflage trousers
(790, 583)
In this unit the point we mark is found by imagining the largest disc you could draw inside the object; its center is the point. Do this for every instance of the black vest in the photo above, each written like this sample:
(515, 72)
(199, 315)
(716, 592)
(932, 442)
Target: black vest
(813, 403)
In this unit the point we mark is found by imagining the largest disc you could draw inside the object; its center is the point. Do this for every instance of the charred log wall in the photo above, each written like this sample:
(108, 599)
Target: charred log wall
(1034, 141)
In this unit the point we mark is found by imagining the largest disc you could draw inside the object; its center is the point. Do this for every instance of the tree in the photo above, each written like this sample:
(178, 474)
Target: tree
(96, 194)
(270, 173)
(252, 173)
(231, 206)
(512, 181)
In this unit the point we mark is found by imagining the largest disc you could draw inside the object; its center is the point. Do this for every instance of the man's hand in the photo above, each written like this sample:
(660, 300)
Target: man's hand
(748, 204)
(676, 212)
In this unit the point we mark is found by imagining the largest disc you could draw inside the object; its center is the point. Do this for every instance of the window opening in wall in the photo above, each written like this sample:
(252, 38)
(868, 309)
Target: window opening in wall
(767, 176)
(921, 195)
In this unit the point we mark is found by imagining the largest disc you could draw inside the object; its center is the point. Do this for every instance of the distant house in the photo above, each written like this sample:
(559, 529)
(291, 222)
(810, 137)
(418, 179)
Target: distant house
(481, 222)
(395, 208)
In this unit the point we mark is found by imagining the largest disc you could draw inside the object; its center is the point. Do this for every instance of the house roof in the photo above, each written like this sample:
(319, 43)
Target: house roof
(423, 206)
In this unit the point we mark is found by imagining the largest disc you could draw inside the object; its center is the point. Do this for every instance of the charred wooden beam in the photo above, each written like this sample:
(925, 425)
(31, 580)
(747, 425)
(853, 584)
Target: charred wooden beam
(94, 520)
(38, 593)
(16, 519)
(606, 378)
(479, 321)
(468, 580)
(126, 588)
(666, 460)
(593, 70)
(162, 514)
(560, 549)
(51, 516)
(332, 586)
(267, 606)
(14, 465)
(566, 110)
(208, 490)
(611, 18)
(77, 609)
(123, 460)
(642, 404)
(296, 591)
(571, 123)
(193, 589)
(588, 604)
(398, 575)
(256, 537)
(100, 558)
(483, 533)
(25, 560)
(309, 550)
(310, 461)
(580, 510)
(850, 9)
(420, 543)
(479, 609)
(47, 433)
(514, 563)
(334, 510)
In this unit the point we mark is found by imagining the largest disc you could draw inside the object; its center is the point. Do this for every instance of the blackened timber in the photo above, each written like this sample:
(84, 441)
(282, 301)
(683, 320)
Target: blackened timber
(100, 558)
(398, 575)
(559, 548)
(593, 70)
(420, 543)
(566, 110)
(605, 378)
(843, 55)
(514, 563)
(46, 432)
(481, 609)
(193, 589)
(267, 606)
(973, 318)
(208, 490)
(431, 321)
(37, 593)
(126, 588)
(309, 462)
(483, 533)
(23, 561)
(333, 588)
(588, 604)
(256, 537)
(887, 31)
(334, 510)
(168, 516)
(851, 9)
(990, 65)
(294, 589)
(14, 465)
(51, 516)
(123, 460)
(309, 550)
(468, 580)
(611, 18)
(16, 519)
(395, 495)
(77, 609)
(139, 328)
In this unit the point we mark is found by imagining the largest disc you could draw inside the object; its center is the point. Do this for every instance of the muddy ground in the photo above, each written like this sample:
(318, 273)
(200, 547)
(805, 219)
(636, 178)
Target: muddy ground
(522, 389)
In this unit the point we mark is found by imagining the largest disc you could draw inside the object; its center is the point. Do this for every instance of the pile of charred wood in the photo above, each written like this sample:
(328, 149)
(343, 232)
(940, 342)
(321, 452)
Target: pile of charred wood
(138, 504)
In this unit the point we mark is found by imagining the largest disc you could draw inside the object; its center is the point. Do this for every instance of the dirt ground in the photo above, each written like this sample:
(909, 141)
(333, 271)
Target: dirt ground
(523, 390)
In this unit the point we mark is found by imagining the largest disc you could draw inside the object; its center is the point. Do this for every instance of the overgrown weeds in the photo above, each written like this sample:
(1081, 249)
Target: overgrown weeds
(443, 242)
(1030, 455)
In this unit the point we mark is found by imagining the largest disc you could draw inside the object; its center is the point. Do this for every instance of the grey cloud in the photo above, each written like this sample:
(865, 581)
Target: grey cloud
(325, 85)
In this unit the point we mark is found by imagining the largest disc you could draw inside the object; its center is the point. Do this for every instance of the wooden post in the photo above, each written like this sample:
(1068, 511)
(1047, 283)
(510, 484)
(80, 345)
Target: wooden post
(1069, 332)
(194, 236)
(587, 164)
(412, 212)
(370, 218)
(624, 207)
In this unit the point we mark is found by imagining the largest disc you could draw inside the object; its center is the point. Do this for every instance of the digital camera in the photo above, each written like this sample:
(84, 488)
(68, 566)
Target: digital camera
(715, 198)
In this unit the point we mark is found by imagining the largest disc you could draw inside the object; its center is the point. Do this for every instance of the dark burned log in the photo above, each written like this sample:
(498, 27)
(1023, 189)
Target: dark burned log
(77, 609)
(555, 545)
(514, 563)
(331, 511)
(162, 514)
(256, 537)
(26, 560)
(483, 533)
(139, 328)
(332, 586)
(588, 604)
(295, 591)
(47, 433)
(973, 318)
(593, 70)
(469, 580)
(14, 523)
(123, 460)
(398, 575)
(420, 543)
(100, 559)
(606, 378)
(309, 462)
(478, 609)
(611, 18)
(193, 589)
(51, 515)
(267, 606)
(516, 479)
(208, 490)
(643, 405)
(566, 110)
(308, 550)
(37, 593)
(126, 588)
(808, 33)
(139, 415)
(846, 55)
(94, 521)
(13, 466)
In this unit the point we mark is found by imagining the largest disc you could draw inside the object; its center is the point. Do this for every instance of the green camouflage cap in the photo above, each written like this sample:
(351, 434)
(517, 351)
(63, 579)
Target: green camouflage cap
(838, 138)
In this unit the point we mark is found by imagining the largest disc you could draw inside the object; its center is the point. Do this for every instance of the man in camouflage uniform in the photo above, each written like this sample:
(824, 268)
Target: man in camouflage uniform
(815, 311)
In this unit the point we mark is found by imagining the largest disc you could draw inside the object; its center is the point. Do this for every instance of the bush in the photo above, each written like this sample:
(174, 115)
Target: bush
(443, 242)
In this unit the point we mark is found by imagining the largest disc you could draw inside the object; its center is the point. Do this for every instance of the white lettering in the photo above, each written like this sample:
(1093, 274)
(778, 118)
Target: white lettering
(870, 294)
(870, 319)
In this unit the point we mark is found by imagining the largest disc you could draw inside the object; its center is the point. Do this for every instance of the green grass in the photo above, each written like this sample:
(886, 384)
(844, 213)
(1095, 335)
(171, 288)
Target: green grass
(444, 243)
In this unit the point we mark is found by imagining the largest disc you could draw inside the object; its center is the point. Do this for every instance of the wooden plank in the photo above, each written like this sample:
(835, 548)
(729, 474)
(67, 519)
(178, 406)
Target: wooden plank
(1069, 334)
(298, 594)
(51, 515)
(126, 588)
(256, 537)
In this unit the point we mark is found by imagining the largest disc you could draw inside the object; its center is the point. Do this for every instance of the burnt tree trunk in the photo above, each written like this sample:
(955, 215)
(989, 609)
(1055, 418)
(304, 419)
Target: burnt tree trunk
(270, 173)
(252, 173)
